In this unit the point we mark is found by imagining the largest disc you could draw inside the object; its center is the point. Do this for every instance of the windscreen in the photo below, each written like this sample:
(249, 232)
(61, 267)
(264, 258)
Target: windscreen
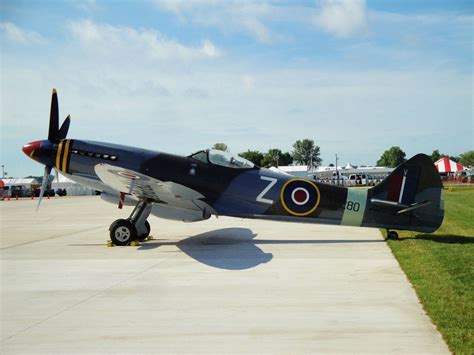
(229, 160)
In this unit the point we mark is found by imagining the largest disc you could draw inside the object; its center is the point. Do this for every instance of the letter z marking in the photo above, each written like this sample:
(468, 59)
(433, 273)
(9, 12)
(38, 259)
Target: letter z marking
(260, 198)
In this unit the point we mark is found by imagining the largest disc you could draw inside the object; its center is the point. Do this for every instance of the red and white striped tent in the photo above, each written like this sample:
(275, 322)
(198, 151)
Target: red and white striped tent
(445, 165)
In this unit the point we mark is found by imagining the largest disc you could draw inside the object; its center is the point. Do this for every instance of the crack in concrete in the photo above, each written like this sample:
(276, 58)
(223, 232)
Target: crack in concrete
(49, 238)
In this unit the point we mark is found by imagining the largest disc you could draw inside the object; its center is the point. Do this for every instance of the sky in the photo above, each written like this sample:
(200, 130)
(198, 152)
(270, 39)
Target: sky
(355, 76)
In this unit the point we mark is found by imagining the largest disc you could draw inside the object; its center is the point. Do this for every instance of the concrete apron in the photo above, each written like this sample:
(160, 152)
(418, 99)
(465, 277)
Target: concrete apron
(223, 285)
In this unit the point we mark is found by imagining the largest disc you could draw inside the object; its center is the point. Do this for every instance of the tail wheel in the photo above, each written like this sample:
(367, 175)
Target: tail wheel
(148, 230)
(122, 232)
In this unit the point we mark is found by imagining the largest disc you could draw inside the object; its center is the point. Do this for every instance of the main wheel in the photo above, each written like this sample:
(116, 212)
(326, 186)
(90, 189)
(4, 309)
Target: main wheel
(148, 230)
(122, 232)
(392, 235)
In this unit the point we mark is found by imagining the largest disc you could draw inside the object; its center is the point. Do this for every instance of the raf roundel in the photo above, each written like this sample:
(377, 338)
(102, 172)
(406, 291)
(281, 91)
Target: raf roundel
(300, 197)
(128, 175)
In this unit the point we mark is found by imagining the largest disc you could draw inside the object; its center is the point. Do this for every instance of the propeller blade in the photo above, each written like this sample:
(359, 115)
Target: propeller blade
(64, 128)
(53, 118)
(47, 171)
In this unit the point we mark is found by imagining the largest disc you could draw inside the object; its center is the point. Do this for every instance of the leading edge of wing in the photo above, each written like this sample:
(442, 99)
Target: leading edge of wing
(144, 186)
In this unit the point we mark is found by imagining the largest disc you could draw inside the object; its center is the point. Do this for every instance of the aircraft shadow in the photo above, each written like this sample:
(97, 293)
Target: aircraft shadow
(443, 238)
(234, 248)
(227, 248)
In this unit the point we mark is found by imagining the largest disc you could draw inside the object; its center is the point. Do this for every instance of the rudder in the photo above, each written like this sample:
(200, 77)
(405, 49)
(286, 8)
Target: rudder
(411, 197)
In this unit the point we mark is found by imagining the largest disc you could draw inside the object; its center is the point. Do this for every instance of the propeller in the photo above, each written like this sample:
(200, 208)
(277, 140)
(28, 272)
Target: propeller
(44, 185)
(62, 133)
(55, 135)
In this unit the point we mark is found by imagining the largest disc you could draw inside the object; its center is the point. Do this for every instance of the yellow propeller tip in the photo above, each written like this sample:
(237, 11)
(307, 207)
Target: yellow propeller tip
(54, 91)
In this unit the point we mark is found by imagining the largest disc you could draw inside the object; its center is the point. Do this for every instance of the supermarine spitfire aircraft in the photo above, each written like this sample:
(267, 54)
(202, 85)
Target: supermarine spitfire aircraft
(212, 182)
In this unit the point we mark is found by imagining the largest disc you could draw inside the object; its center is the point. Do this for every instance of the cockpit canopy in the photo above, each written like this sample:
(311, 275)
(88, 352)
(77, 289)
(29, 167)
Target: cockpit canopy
(218, 157)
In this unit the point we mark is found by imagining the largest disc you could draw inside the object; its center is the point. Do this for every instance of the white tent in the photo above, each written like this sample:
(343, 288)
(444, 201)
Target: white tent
(27, 182)
(446, 165)
(295, 170)
(72, 187)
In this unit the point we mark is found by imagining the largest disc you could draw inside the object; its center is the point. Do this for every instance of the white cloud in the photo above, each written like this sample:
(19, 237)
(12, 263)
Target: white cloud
(87, 5)
(258, 29)
(229, 16)
(127, 42)
(138, 87)
(15, 34)
(342, 18)
(179, 7)
(209, 49)
(398, 19)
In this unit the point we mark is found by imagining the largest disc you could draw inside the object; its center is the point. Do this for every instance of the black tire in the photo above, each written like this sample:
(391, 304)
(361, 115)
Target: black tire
(122, 232)
(392, 235)
(148, 230)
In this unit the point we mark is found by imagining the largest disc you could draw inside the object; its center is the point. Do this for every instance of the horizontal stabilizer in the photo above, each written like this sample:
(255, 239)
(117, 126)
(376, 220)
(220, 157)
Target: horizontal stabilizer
(402, 208)
(414, 206)
(385, 203)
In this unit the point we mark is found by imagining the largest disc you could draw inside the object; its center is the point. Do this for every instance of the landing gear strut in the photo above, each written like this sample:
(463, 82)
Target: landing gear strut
(392, 235)
(135, 227)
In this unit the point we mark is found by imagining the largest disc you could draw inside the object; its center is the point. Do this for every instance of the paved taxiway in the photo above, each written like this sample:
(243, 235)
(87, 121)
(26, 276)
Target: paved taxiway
(222, 285)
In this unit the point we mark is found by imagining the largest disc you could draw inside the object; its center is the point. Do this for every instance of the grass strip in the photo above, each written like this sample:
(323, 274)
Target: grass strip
(440, 267)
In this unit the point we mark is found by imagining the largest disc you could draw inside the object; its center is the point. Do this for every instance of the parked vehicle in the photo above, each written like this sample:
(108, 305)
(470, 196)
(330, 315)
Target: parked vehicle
(61, 192)
(20, 191)
(361, 180)
(48, 192)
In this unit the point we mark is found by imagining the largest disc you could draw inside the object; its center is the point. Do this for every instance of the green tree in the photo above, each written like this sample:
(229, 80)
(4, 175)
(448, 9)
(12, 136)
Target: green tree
(285, 159)
(220, 146)
(306, 152)
(272, 157)
(436, 155)
(392, 157)
(254, 156)
(467, 159)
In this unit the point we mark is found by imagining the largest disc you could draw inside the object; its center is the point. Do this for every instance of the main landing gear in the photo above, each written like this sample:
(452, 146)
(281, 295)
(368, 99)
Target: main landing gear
(392, 235)
(134, 228)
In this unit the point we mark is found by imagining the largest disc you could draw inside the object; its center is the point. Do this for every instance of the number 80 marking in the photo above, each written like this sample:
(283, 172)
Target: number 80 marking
(353, 206)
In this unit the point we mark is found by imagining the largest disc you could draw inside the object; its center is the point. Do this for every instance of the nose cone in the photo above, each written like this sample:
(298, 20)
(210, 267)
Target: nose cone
(30, 148)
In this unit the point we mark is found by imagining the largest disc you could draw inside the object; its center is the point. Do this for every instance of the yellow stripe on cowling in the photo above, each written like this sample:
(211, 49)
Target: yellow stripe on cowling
(66, 152)
(58, 155)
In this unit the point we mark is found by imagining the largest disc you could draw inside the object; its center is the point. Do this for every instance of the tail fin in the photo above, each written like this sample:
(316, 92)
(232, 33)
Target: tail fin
(411, 197)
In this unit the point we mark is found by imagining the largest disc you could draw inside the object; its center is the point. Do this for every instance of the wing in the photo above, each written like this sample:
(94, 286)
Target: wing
(145, 187)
